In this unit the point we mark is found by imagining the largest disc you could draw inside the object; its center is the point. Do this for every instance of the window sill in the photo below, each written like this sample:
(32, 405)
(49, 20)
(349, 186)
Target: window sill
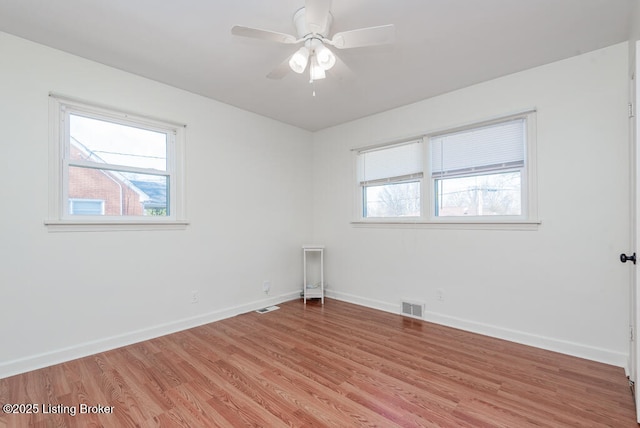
(109, 226)
(450, 224)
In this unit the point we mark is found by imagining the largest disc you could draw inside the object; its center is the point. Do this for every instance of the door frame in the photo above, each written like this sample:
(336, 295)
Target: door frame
(634, 295)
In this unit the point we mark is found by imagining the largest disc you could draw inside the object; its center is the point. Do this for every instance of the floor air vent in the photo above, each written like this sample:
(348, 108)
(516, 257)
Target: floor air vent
(412, 309)
(267, 309)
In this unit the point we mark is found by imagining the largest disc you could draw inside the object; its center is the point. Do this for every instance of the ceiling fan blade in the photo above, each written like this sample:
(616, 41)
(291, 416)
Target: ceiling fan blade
(255, 33)
(364, 37)
(281, 70)
(317, 15)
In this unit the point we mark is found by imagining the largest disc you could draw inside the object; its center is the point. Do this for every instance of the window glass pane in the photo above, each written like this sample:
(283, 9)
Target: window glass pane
(480, 195)
(392, 200)
(124, 194)
(112, 143)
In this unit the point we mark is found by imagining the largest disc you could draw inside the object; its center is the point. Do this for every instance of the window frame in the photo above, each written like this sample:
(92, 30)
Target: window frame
(60, 218)
(528, 220)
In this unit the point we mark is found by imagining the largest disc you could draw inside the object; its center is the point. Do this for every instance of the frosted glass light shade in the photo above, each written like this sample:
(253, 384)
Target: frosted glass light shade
(316, 71)
(298, 61)
(326, 58)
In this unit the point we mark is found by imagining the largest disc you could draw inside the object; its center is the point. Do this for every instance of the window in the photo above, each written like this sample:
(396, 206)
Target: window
(483, 173)
(390, 180)
(111, 167)
(478, 171)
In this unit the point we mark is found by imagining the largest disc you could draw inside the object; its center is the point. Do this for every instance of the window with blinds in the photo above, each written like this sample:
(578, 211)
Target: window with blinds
(483, 173)
(390, 179)
(479, 171)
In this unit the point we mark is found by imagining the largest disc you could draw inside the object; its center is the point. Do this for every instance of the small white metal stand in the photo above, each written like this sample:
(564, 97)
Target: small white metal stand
(311, 290)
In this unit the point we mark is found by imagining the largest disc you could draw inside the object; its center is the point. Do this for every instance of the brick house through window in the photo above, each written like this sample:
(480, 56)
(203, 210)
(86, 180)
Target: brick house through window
(119, 196)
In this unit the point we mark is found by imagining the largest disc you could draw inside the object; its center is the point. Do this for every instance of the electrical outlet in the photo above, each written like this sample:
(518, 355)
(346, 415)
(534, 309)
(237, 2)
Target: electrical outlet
(440, 295)
(195, 296)
(266, 287)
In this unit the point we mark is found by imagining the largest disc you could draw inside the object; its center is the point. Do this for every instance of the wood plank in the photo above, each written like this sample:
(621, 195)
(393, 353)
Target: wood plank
(332, 365)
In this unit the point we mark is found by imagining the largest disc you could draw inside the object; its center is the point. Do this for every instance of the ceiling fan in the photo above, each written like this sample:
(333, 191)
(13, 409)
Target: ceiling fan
(313, 25)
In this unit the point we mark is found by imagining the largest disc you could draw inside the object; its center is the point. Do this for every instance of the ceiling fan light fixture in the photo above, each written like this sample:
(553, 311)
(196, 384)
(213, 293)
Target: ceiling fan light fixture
(316, 72)
(326, 59)
(299, 60)
(313, 24)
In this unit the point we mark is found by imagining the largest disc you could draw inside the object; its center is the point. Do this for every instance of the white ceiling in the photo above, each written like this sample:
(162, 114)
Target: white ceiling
(441, 45)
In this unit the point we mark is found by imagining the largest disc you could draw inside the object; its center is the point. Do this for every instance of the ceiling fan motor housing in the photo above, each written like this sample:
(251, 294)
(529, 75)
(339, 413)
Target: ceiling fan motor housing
(300, 22)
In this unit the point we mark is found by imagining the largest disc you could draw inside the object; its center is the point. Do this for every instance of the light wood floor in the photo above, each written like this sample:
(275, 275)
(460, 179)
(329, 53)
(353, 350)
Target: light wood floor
(339, 365)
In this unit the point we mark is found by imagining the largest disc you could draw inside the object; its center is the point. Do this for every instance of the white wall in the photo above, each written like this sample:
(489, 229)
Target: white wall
(560, 287)
(69, 294)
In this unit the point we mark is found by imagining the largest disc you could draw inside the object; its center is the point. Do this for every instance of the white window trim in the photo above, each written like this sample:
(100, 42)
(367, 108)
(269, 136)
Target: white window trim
(58, 217)
(529, 219)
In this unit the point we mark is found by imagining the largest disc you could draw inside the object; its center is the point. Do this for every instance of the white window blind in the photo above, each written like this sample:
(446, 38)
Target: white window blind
(391, 163)
(489, 148)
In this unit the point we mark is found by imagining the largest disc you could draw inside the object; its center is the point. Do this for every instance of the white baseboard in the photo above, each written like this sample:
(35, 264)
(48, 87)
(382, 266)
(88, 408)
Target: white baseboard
(606, 356)
(62, 355)
(363, 301)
